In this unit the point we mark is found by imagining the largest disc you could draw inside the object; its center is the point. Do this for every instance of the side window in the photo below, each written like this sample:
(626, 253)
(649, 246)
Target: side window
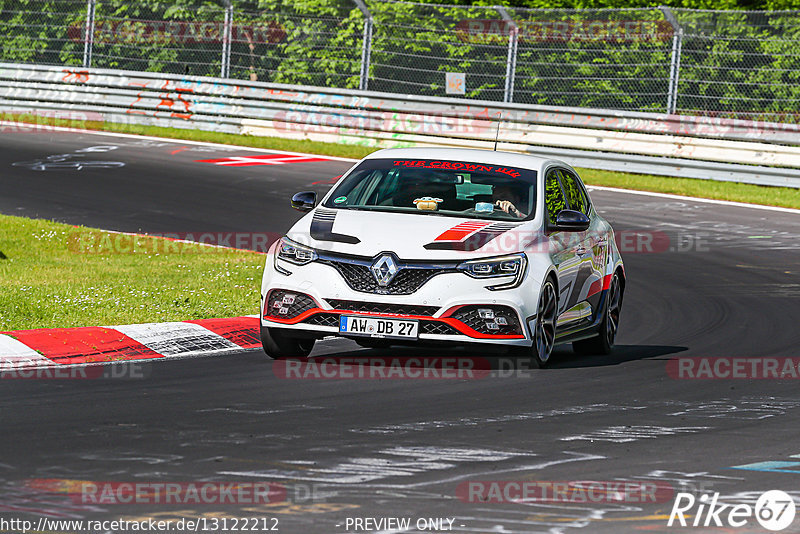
(554, 198)
(575, 194)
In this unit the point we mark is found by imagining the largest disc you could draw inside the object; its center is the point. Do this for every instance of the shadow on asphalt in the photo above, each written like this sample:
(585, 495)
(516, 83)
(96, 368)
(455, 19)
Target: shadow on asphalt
(565, 358)
(485, 358)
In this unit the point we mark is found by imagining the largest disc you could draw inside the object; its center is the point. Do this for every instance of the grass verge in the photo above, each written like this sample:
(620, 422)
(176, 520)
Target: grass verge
(786, 197)
(748, 193)
(55, 275)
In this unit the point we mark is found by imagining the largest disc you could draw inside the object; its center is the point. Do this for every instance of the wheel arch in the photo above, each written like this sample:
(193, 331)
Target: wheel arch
(619, 270)
(551, 274)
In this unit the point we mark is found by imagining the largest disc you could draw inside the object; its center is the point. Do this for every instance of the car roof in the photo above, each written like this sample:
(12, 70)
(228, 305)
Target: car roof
(490, 157)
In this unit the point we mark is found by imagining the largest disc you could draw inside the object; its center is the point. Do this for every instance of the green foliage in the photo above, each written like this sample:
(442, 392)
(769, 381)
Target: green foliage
(735, 63)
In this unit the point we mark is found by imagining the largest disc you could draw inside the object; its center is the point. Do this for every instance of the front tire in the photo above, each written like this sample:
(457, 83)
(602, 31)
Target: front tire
(279, 344)
(544, 331)
(603, 342)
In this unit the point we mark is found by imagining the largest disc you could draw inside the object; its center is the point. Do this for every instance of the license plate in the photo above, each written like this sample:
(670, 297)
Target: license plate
(381, 328)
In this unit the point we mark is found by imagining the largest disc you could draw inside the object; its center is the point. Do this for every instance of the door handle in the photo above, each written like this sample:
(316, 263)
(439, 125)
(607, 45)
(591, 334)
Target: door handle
(581, 251)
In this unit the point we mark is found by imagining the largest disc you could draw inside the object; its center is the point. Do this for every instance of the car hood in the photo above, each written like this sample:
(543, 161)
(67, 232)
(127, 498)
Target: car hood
(410, 236)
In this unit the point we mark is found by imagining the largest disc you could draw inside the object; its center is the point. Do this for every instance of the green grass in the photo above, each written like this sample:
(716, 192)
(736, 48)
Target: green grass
(56, 275)
(754, 194)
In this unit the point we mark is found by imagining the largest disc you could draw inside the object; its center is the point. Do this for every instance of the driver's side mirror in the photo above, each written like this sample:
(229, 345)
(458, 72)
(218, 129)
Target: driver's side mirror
(304, 200)
(571, 221)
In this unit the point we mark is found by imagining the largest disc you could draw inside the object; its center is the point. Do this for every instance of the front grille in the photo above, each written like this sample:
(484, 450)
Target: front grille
(381, 307)
(488, 319)
(435, 327)
(407, 280)
(323, 319)
(282, 304)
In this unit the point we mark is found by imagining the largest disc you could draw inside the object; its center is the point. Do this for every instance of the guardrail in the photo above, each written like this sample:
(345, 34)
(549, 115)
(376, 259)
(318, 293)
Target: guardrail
(732, 63)
(669, 145)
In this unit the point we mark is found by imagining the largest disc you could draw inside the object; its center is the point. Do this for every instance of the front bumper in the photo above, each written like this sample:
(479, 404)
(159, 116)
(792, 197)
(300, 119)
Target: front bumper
(450, 307)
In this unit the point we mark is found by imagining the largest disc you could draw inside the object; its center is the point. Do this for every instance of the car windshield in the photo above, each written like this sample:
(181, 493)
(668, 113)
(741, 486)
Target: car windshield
(438, 187)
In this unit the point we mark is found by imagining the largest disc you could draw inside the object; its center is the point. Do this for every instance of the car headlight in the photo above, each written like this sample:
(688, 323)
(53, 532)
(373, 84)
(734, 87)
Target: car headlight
(512, 265)
(292, 252)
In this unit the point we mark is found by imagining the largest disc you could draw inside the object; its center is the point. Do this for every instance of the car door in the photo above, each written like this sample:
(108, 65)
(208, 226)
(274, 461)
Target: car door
(563, 246)
(592, 247)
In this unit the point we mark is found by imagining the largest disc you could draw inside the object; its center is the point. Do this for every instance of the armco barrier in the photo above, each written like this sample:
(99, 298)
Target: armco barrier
(696, 147)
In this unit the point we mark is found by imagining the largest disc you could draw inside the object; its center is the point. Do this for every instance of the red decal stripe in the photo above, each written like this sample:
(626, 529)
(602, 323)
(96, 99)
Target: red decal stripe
(460, 231)
(455, 323)
(607, 281)
(595, 287)
(467, 331)
(84, 345)
(303, 316)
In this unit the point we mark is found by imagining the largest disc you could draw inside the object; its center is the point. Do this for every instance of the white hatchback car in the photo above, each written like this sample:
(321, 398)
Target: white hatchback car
(451, 246)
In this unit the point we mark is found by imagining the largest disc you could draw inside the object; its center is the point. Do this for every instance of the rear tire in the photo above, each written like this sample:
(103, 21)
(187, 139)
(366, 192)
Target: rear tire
(279, 344)
(603, 342)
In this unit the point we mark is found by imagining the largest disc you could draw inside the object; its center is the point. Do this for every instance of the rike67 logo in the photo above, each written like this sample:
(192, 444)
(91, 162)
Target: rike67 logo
(774, 510)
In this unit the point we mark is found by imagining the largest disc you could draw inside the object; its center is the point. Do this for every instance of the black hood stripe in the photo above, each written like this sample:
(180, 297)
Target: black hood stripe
(322, 228)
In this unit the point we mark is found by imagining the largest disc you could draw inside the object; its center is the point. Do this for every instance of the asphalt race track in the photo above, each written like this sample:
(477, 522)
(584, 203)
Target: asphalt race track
(721, 281)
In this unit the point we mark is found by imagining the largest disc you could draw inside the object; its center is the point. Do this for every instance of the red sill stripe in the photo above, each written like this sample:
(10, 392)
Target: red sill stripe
(595, 287)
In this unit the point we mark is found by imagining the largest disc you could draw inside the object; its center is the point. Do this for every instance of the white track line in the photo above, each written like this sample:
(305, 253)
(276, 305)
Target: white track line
(694, 199)
(602, 188)
(197, 143)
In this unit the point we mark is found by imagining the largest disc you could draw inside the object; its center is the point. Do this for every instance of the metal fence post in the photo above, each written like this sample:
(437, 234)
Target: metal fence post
(675, 61)
(88, 34)
(225, 71)
(511, 58)
(366, 45)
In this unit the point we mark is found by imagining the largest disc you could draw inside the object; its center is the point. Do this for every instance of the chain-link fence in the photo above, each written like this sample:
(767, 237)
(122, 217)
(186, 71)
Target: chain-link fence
(724, 63)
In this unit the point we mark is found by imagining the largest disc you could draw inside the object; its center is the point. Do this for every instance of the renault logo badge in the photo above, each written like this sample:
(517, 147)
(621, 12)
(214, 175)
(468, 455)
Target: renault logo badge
(384, 270)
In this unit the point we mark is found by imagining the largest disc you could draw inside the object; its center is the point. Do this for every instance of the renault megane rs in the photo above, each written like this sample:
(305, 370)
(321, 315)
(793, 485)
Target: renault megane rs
(451, 246)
